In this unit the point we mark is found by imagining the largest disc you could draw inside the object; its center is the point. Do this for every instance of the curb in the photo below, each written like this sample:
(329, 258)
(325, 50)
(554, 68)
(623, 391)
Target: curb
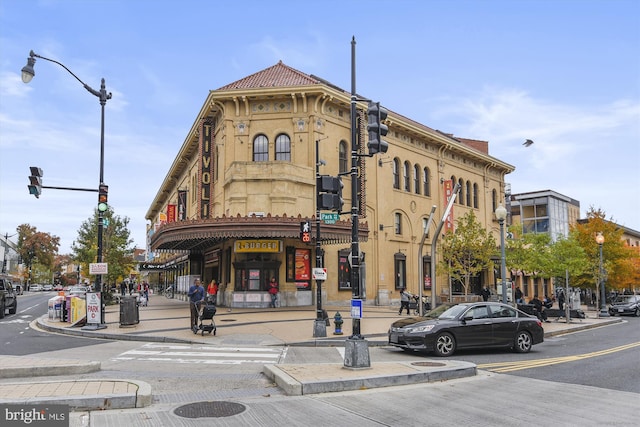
(294, 380)
(104, 335)
(141, 398)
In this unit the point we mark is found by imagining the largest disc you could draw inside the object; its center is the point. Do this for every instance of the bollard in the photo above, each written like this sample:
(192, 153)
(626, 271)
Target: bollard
(337, 320)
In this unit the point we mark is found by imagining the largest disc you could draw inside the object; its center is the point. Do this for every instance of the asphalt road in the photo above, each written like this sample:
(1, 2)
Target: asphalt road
(19, 339)
(546, 385)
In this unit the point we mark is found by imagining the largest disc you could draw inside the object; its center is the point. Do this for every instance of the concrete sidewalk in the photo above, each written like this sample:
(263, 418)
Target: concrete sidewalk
(167, 320)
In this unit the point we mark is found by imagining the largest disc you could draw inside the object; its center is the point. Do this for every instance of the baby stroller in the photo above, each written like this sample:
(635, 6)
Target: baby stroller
(207, 311)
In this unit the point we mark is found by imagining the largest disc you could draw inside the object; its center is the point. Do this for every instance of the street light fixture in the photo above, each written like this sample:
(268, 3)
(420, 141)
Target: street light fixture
(603, 300)
(501, 214)
(27, 75)
(6, 249)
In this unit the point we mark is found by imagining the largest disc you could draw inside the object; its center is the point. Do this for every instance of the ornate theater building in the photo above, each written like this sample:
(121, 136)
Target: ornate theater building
(231, 206)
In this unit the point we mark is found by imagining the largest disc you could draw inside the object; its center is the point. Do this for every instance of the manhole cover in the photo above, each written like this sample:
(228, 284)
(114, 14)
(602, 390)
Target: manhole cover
(428, 364)
(215, 409)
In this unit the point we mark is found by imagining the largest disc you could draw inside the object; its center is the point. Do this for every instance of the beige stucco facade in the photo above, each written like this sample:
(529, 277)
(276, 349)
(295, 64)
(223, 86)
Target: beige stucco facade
(246, 172)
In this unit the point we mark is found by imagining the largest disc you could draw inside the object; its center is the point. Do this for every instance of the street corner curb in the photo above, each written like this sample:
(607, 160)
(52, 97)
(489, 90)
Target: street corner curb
(297, 380)
(40, 323)
(289, 385)
(141, 398)
(51, 369)
(583, 327)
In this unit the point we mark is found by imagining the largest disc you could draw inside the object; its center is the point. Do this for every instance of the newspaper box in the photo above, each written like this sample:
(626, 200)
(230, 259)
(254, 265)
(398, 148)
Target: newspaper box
(55, 307)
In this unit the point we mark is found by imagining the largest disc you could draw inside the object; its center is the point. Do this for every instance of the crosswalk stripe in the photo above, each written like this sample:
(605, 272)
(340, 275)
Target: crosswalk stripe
(198, 354)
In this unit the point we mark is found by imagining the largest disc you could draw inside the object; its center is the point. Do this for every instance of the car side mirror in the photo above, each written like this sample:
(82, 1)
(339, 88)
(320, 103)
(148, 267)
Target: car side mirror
(467, 318)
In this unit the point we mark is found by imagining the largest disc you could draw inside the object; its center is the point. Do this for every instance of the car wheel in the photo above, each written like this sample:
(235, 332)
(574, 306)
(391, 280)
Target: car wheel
(13, 309)
(2, 309)
(637, 312)
(445, 345)
(522, 342)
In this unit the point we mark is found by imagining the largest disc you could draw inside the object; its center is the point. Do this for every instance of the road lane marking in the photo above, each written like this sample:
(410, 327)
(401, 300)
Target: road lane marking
(502, 367)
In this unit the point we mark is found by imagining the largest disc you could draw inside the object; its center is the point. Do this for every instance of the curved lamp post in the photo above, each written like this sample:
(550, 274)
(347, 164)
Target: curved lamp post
(603, 297)
(27, 75)
(501, 214)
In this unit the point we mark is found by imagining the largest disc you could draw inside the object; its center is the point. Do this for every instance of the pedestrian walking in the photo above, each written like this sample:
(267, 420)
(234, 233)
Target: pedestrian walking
(196, 296)
(273, 291)
(404, 300)
(486, 293)
(561, 299)
(519, 297)
(212, 291)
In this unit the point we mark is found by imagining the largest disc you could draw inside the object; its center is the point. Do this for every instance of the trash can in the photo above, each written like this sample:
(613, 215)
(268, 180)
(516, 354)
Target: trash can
(129, 314)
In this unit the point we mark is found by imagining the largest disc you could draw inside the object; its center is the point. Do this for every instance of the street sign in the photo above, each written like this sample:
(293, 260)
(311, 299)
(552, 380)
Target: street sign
(329, 218)
(93, 307)
(319, 274)
(356, 309)
(98, 268)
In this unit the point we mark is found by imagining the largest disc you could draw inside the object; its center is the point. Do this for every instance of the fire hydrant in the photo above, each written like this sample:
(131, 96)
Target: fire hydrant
(337, 320)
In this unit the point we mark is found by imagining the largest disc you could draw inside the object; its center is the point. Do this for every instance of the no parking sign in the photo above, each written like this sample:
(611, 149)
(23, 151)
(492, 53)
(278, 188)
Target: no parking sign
(93, 307)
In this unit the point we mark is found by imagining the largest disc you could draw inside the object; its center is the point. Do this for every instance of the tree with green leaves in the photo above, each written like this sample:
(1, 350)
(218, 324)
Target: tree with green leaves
(567, 257)
(117, 251)
(467, 251)
(37, 250)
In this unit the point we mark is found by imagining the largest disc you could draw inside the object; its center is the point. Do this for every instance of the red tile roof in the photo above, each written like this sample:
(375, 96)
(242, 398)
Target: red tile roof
(279, 75)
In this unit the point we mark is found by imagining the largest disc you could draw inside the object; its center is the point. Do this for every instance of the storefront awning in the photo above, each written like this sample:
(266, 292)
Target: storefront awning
(197, 235)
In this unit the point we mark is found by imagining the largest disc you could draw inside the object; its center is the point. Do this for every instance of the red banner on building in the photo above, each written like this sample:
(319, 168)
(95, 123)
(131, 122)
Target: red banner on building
(171, 213)
(448, 192)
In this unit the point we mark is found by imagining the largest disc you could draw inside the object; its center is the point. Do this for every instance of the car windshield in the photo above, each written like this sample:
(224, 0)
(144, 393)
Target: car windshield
(453, 312)
(436, 312)
(627, 299)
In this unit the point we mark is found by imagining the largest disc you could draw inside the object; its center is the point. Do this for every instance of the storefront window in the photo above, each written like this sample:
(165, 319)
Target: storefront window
(254, 275)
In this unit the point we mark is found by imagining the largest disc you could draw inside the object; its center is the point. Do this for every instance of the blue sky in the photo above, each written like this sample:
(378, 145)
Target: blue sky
(564, 73)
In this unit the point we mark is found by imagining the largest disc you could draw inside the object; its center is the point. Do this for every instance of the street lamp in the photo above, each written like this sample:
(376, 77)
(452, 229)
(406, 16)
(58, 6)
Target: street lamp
(6, 249)
(501, 214)
(27, 74)
(603, 300)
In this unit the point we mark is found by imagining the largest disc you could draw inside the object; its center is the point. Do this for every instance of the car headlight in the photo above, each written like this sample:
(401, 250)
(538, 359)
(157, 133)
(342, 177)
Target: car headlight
(417, 329)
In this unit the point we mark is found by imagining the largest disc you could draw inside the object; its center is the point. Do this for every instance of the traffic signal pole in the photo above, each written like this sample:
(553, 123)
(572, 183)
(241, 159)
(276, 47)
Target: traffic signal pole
(356, 347)
(319, 325)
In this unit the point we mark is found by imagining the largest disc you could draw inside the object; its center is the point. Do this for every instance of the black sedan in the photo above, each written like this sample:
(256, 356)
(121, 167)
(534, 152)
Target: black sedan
(467, 326)
(626, 304)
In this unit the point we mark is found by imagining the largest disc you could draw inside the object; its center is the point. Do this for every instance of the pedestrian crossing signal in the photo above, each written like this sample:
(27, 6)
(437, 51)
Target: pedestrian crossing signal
(305, 231)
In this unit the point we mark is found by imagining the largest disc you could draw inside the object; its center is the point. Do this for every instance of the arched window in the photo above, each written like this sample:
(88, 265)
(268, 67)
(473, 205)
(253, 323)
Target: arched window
(283, 147)
(407, 178)
(475, 195)
(416, 178)
(426, 185)
(461, 198)
(396, 173)
(468, 193)
(343, 159)
(260, 149)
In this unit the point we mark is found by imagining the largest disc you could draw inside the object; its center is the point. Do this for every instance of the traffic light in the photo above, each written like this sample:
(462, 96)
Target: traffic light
(376, 115)
(305, 231)
(329, 190)
(35, 181)
(103, 193)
